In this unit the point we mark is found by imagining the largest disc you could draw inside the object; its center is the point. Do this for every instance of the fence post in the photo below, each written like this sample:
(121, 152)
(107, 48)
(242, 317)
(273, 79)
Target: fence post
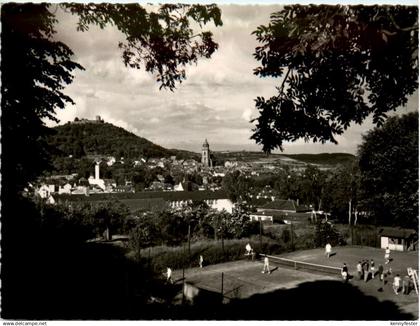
(291, 234)
(222, 287)
(260, 234)
(189, 243)
(183, 284)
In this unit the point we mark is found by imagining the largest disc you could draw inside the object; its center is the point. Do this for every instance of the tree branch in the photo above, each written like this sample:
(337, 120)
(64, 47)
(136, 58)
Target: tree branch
(403, 29)
(284, 80)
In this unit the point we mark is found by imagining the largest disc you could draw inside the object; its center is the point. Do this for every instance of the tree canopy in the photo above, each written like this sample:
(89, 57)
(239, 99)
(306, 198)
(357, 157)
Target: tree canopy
(337, 64)
(389, 171)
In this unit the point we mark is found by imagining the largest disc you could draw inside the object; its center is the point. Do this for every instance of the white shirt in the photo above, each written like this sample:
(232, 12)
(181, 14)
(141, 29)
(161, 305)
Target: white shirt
(248, 247)
(328, 248)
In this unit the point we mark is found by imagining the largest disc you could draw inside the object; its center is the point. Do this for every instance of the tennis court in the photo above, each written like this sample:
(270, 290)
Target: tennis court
(242, 279)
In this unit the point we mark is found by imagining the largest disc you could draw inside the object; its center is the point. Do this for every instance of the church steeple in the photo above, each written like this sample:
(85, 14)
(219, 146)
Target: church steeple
(205, 154)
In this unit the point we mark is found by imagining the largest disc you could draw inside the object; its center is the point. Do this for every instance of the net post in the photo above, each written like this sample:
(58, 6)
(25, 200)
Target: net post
(222, 287)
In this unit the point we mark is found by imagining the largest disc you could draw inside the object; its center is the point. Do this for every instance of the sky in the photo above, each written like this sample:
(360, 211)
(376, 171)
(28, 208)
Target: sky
(216, 101)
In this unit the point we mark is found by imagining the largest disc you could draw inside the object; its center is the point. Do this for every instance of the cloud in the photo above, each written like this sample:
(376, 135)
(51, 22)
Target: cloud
(246, 115)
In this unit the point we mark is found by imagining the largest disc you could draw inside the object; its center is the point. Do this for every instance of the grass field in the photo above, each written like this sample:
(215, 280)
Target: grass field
(243, 279)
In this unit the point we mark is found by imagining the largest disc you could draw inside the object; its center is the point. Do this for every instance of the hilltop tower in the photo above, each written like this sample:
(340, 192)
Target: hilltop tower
(97, 171)
(205, 154)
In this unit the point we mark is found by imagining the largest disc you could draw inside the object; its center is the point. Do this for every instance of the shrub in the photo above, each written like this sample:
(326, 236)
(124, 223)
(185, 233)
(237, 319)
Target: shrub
(327, 233)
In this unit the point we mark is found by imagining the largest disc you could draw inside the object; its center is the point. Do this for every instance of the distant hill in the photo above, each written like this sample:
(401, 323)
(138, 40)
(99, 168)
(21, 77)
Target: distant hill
(319, 159)
(323, 158)
(82, 139)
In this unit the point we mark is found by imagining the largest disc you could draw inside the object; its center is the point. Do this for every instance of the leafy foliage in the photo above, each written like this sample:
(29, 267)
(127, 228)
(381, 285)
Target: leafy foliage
(212, 252)
(326, 233)
(389, 171)
(338, 64)
(170, 227)
(162, 41)
(342, 186)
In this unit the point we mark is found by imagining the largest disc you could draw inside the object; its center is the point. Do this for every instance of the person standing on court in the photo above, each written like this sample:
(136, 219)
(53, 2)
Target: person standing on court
(248, 249)
(381, 272)
(169, 275)
(372, 268)
(266, 266)
(366, 270)
(396, 284)
(387, 255)
(345, 273)
(328, 249)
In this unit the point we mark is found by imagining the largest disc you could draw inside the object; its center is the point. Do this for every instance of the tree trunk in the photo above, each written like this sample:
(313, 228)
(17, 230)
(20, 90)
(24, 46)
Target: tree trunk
(355, 216)
(350, 212)
(291, 235)
(223, 246)
(189, 242)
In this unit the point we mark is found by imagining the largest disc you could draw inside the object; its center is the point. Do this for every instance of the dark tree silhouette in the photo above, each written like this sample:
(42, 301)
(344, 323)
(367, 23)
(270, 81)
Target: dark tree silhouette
(35, 69)
(389, 171)
(338, 65)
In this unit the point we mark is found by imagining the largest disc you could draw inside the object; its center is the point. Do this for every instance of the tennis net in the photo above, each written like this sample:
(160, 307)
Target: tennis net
(300, 265)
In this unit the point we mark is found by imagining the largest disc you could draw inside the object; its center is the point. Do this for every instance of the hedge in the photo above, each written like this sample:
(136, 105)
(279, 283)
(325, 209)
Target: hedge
(161, 257)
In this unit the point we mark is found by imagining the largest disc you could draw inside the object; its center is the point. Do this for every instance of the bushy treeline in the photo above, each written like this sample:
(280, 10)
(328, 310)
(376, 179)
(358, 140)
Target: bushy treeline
(172, 227)
(194, 222)
(213, 252)
(85, 220)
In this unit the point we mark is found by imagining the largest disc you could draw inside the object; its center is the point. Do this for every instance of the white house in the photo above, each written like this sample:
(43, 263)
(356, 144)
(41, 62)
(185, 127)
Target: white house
(45, 190)
(179, 187)
(65, 189)
(220, 204)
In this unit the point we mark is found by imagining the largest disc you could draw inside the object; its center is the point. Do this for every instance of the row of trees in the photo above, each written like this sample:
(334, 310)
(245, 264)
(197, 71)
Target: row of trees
(87, 220)
(84, 220)
(192, 223)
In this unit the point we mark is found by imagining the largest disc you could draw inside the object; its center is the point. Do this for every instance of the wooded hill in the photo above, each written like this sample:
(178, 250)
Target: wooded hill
(84, 139)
